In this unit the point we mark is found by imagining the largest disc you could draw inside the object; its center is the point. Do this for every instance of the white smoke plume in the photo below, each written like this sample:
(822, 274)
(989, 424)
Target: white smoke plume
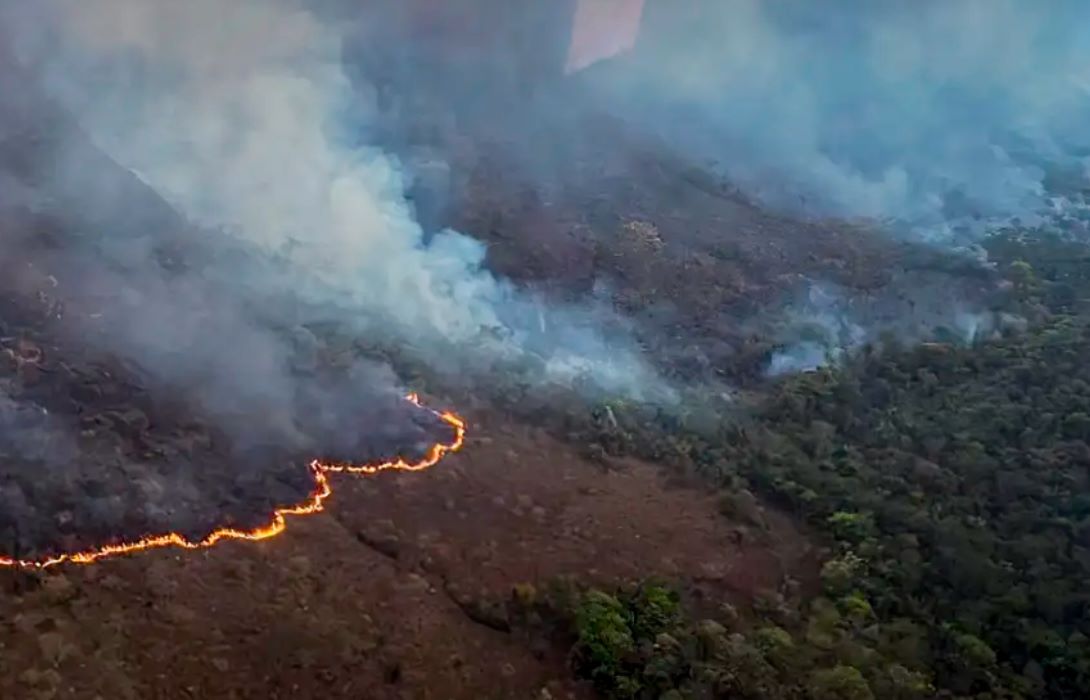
(239, 114)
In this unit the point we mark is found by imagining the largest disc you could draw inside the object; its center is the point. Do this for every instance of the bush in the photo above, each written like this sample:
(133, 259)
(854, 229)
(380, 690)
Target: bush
(604, 641)
(839, 683)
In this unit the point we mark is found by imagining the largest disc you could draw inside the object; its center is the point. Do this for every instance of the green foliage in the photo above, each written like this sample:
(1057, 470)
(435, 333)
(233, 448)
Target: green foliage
(677, 656)
(851, 527)
(900, 683)
(856, 608)
(839, 575)
(777, 646)
(602, 624)
(956, 492)
(623, 641)
(655, 608)
(839, 683)
(1023, 277)
(973, 652)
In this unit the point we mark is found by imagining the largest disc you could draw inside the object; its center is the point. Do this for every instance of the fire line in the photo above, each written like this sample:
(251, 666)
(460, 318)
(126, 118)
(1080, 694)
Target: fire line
(315, 503)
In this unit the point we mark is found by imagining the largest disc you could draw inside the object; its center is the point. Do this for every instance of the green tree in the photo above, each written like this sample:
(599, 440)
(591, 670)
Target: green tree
(654, 609)
(839, 683)
(604, 640)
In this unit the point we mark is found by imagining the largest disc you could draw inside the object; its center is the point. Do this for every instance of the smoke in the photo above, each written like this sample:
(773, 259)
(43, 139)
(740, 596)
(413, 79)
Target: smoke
(187, 192)
(241, 116)
(937, 115)
(821, 332)
(827, 323)
(31, 433)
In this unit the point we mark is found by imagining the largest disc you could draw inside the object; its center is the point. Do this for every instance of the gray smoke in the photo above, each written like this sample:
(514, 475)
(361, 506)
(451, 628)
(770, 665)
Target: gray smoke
(240, 115)
(828, 324)
(935, 114)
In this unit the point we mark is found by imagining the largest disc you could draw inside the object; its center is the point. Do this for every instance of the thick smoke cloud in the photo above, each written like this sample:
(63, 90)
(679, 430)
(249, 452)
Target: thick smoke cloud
(931, 113)
(240, 115)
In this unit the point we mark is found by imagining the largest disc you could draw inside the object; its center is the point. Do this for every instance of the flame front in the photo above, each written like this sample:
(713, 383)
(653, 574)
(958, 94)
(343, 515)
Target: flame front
(315, 503)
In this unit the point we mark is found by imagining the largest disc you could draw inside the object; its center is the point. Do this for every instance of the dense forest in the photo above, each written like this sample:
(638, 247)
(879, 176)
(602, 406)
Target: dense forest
(951, 481)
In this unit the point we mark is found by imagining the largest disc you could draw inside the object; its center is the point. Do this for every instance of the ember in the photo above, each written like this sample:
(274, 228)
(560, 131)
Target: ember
(315, 503)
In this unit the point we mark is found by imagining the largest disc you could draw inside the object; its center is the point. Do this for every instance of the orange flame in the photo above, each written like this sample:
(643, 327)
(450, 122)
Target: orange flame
(315, 503)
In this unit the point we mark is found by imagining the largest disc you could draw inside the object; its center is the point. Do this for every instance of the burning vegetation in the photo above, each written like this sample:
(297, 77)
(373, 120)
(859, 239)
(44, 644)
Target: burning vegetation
(322, 489)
